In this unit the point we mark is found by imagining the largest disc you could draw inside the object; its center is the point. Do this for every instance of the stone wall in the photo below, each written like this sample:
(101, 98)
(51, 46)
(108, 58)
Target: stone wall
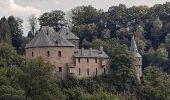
(53, 58)
(90, 67)
(138, 67)
(84, 68)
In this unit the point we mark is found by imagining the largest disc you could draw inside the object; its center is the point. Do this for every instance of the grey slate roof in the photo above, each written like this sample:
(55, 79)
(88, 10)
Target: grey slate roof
(67, 34)
(93, 54)
(47, 36)
(133, 48)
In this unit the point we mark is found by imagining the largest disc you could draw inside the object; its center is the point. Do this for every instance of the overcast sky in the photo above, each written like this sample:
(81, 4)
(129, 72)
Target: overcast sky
(25, 8)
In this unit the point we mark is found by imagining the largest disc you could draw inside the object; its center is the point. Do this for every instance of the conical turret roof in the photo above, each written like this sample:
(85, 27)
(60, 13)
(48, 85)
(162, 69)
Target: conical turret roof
(133, 48)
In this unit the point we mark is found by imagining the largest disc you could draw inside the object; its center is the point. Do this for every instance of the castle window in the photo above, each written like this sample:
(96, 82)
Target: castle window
(88, 60)
(79, 71)
(87, 71)
(139, 66)
(79, 60)
(96, 71)
(59, 53)
(60, 69)
(139, 59)
(48, 53)
(96, 60)
(104, 70)
(32, 54)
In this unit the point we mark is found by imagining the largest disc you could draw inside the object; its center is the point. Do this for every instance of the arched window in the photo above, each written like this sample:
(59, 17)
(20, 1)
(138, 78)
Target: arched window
(139, 59)
(48, 53)
(60, 69)
(87, 60)
(79, 60)
(96, 60)
(59, 53)
(32, 54)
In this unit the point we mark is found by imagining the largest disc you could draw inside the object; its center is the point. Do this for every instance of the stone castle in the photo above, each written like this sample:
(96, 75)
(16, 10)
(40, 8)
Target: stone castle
(62, 50)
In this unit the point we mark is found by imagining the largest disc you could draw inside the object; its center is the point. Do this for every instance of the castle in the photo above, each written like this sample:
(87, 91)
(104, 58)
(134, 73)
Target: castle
(62, 50)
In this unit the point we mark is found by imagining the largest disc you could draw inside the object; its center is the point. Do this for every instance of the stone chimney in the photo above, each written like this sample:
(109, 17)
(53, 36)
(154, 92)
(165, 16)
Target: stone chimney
(82, 51)
(101, 49)
(90, 51)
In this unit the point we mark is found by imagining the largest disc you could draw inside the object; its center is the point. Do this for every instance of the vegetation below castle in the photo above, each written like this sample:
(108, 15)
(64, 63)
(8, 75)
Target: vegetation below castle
(34, 80)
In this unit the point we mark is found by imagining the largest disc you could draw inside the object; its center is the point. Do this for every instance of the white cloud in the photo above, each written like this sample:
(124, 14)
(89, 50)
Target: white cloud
(15, 8)
(10, 7)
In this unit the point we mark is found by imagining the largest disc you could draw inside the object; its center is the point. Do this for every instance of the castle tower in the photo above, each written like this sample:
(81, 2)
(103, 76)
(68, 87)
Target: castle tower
(138, 59)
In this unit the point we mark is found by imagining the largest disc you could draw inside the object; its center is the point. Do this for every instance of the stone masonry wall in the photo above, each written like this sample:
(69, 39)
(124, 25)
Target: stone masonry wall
(92, 66)
(53, 58)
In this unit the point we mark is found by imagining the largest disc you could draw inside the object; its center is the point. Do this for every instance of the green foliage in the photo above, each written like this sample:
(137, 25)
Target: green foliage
(52, 19)
(9, 87)
(156, 84)
(84, 15)
(156, 26)
(9, 57)
(5, 34)
(16, 33)
(39, 82)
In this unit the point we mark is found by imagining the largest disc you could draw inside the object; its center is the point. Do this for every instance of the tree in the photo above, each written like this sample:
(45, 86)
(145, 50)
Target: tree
(9, 87)
(33, 23)
(39, 81)
(156, 84)
(9, 57)
(162, 56)
(84, 15)
(16, 32)
(156, 27)
(5, 34)
(52, 19)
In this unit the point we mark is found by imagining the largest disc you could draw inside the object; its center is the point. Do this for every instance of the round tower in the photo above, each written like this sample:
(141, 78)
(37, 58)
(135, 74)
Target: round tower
(138, 59)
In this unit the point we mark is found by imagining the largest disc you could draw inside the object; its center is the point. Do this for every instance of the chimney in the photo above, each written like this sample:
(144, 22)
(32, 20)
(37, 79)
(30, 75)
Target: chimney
(90, 51)
(101, 49)
(82, 50)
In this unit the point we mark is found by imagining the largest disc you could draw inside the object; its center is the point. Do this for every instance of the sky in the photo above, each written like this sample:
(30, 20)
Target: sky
(25, 8)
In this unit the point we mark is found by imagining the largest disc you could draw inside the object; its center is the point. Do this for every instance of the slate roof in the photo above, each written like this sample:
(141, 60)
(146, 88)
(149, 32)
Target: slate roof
(86, 53)
(67, 34)
(46, 37)
(133, 48)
